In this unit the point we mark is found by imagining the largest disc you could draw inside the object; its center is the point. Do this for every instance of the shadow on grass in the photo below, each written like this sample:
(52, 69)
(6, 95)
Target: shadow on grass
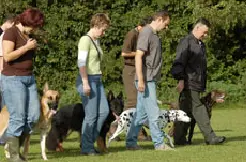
(228, 139)
(236, 138)
(75, 152)
(72, 152)
(224, 130)
(36, 139)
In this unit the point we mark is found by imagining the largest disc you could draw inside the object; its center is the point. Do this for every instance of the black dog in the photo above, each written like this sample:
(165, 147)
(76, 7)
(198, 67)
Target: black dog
(69, 118)
(215, 96)
(116, 106)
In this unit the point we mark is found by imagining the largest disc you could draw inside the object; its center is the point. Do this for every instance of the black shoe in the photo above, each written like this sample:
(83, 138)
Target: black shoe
(216, 140)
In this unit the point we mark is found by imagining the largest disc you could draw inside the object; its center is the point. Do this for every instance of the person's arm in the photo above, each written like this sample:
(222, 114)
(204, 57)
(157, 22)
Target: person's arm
(129, 41)
(179, 64)
(84, 76)
(139, 72)
(142, 48)
(83, 51)
(130, 54)
(1, 64)
(9, 54)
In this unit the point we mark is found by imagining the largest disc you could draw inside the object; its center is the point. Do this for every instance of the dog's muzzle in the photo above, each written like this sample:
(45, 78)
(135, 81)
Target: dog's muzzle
(53, 106)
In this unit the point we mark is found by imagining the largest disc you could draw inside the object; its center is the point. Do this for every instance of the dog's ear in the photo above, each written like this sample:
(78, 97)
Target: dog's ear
(110, 95)
(120, 95)
(212, 94)
(46, 87)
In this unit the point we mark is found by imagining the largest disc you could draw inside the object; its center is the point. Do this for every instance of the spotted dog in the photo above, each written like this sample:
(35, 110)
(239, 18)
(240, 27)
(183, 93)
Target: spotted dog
(165, 116)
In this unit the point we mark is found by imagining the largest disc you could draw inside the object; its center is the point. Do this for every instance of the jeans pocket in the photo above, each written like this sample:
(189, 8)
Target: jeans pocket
(7, 82)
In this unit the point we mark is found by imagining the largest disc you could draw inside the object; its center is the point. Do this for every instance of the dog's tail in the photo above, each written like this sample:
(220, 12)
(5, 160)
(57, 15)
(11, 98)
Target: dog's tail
(119, 130)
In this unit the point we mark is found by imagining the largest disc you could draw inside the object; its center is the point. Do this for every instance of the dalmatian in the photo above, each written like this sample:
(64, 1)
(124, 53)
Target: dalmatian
(165, 116)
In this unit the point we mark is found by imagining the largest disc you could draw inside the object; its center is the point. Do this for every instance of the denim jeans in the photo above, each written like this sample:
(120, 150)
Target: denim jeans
(96, 111)
(21, 98)
(147, 109)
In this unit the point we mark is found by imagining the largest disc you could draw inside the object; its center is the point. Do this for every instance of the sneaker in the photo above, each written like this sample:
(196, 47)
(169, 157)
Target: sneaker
(164, 148)
(216, 140)
(133, 148)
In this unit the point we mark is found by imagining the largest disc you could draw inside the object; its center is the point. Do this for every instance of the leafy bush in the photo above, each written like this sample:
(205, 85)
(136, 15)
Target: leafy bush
(68, 20)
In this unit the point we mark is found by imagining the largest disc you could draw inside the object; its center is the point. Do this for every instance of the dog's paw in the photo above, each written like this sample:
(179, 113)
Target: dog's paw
(44, 157)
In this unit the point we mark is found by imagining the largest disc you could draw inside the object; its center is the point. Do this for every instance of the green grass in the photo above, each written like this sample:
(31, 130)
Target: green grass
(227, 120)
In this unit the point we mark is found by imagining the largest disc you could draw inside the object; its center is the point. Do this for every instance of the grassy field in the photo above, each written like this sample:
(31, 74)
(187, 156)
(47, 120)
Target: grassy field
(227, 120)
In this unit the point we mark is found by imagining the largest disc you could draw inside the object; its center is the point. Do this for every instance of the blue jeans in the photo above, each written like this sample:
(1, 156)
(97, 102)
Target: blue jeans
(96, 111)
(21, 98)
(147, 109)
(2, 104)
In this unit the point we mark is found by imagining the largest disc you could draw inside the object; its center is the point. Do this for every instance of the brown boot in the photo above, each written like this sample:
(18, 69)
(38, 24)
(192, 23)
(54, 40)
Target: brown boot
(143, 136)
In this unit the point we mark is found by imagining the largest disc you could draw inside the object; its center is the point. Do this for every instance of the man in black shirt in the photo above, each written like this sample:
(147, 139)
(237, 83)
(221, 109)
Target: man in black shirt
(190, 69)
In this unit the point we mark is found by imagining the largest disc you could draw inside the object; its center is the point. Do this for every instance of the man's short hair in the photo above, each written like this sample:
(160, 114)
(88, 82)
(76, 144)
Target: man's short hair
(203, 21)
(163, 14)
(145, 21)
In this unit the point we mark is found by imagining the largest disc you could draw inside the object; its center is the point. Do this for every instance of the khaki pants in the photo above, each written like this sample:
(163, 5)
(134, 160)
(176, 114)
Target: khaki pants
(129, 86)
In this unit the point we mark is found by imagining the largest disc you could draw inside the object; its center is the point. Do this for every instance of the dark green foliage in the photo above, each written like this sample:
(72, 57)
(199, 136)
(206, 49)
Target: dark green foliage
(68, 20)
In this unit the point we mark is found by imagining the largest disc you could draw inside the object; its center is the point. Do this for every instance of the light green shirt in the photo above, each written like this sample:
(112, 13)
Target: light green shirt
(93, 63)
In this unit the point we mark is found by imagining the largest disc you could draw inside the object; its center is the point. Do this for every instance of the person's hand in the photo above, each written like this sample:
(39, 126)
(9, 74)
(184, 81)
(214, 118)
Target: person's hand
(86, 89)
(31, 44)
(180, 86)
(141, 86)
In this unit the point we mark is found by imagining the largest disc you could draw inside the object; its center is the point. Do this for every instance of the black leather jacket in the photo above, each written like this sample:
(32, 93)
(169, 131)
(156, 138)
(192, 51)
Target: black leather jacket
(190, 64)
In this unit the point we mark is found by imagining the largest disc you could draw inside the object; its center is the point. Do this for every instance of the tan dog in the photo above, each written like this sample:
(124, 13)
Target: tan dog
(49, 104)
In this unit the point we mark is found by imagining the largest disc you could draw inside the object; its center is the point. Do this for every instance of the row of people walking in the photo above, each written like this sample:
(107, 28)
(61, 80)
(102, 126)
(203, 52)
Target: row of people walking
(143, 61)
(142, 54)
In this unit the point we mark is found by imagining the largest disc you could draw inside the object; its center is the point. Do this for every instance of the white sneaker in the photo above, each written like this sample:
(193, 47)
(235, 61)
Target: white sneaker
(164, 148)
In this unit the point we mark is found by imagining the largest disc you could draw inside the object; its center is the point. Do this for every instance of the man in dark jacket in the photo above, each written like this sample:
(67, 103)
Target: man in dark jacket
(190, 69)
